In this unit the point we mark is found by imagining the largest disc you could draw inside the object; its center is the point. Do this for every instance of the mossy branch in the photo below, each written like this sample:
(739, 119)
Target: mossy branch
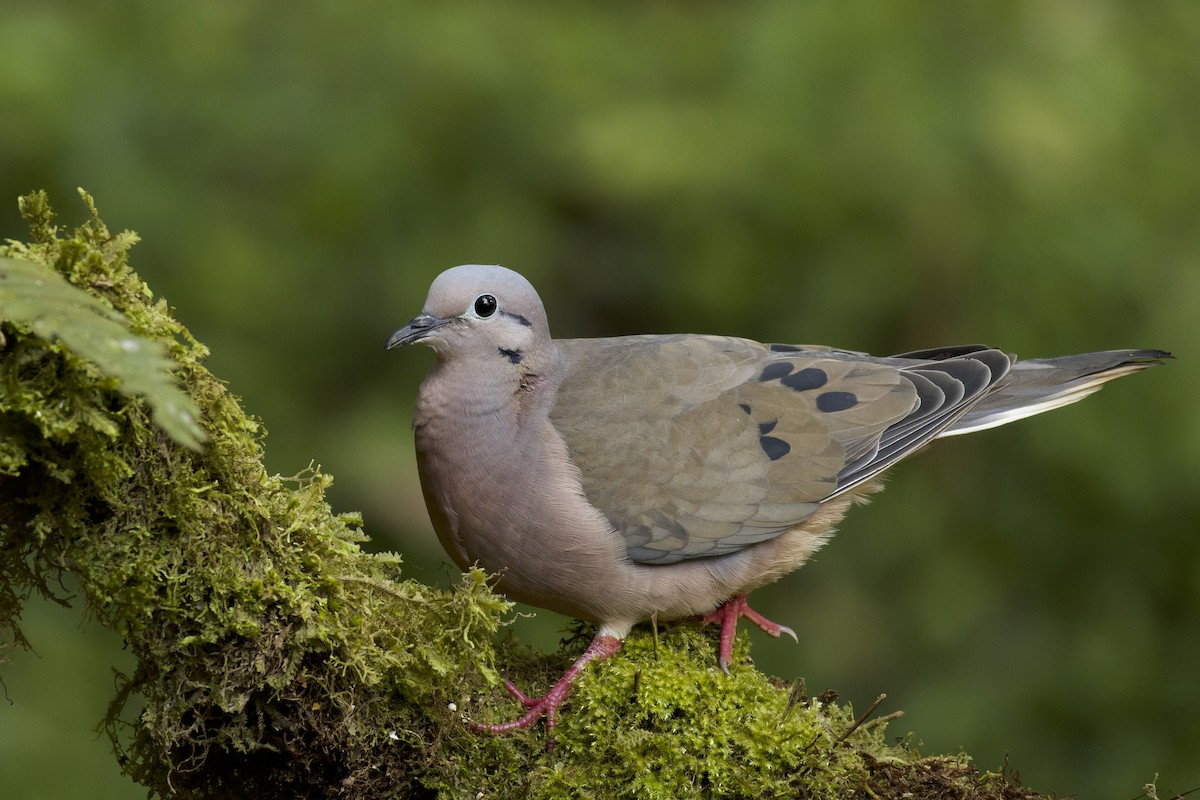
(54, 309)
(275, 657)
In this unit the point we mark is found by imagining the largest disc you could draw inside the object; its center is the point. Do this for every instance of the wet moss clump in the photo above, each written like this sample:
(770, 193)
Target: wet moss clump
(275, 657)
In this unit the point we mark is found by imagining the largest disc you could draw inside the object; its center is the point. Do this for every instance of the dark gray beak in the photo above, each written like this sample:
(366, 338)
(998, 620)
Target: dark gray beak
(421, 326)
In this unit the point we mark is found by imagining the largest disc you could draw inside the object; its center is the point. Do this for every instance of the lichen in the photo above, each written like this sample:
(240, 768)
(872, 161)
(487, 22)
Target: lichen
(277, 658)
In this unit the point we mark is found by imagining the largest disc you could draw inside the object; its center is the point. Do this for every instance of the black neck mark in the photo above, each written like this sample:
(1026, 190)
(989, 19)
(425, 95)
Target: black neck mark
(512, 355)
(517, 318)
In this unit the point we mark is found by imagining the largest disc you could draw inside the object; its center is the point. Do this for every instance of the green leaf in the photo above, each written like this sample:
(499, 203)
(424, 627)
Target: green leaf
(55, 309)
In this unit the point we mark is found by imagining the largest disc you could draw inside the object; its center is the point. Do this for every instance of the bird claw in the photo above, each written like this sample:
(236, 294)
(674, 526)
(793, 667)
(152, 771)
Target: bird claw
(728, 614)
(539, 708)
(546, 706)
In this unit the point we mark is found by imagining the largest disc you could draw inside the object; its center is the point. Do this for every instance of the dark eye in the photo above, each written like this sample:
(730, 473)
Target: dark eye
(485, 305)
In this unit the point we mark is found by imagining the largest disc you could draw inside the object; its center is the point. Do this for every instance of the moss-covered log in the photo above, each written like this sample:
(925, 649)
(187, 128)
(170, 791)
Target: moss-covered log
(277, 658)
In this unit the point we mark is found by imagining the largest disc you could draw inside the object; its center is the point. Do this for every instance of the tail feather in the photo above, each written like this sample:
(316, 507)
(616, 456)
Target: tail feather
(1042, 384)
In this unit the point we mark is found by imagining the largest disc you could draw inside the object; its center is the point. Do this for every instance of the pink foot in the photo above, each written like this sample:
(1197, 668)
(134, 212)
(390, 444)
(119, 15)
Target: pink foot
(546, 707)
(728, 614)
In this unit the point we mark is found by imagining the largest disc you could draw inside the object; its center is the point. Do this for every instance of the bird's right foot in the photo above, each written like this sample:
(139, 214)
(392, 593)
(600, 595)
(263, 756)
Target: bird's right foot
(728, 614)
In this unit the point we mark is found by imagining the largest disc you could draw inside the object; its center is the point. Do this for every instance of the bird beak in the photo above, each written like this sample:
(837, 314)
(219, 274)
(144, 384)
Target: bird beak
(421, 326)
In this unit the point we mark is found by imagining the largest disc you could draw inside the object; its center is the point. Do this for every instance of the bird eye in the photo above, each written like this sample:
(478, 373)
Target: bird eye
(485, 305)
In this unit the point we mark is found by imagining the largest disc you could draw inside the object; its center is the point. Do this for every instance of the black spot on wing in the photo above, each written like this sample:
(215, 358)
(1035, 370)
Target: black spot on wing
(775, 371)
(785, 348)
(766, 427)
(836, 401)
(744, 407)
(773, 447)
(805, 379)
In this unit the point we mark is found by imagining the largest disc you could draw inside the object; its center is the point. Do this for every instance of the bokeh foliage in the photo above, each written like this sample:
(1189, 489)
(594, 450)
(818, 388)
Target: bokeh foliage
(872, 175)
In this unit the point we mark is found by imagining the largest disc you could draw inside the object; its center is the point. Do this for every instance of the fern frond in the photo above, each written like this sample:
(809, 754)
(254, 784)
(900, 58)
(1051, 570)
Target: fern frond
(55, 310)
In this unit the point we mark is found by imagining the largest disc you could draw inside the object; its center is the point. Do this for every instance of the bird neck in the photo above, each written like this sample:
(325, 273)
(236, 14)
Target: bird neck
(492, 399)
(472, 431)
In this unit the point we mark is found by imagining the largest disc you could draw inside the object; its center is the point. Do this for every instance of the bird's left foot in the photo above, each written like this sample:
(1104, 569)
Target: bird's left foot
(728, 614)
(546, 706)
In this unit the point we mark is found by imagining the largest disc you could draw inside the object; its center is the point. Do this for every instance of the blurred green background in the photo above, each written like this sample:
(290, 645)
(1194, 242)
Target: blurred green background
(879, 176)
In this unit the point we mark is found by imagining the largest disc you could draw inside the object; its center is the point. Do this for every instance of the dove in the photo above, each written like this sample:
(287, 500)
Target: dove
(624, 479)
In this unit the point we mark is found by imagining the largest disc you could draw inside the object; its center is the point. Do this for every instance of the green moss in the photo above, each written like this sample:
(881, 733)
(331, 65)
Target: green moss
(670, 724)
(276, 658)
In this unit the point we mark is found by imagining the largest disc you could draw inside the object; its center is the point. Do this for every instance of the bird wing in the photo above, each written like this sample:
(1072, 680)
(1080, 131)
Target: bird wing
(696, 446)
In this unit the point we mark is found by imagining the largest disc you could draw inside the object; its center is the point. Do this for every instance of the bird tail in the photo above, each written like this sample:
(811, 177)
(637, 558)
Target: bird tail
(1042, 384)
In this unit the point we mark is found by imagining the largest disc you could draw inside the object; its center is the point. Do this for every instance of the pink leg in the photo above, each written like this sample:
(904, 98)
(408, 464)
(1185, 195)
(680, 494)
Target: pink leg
(728, 614)
(546, 707)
